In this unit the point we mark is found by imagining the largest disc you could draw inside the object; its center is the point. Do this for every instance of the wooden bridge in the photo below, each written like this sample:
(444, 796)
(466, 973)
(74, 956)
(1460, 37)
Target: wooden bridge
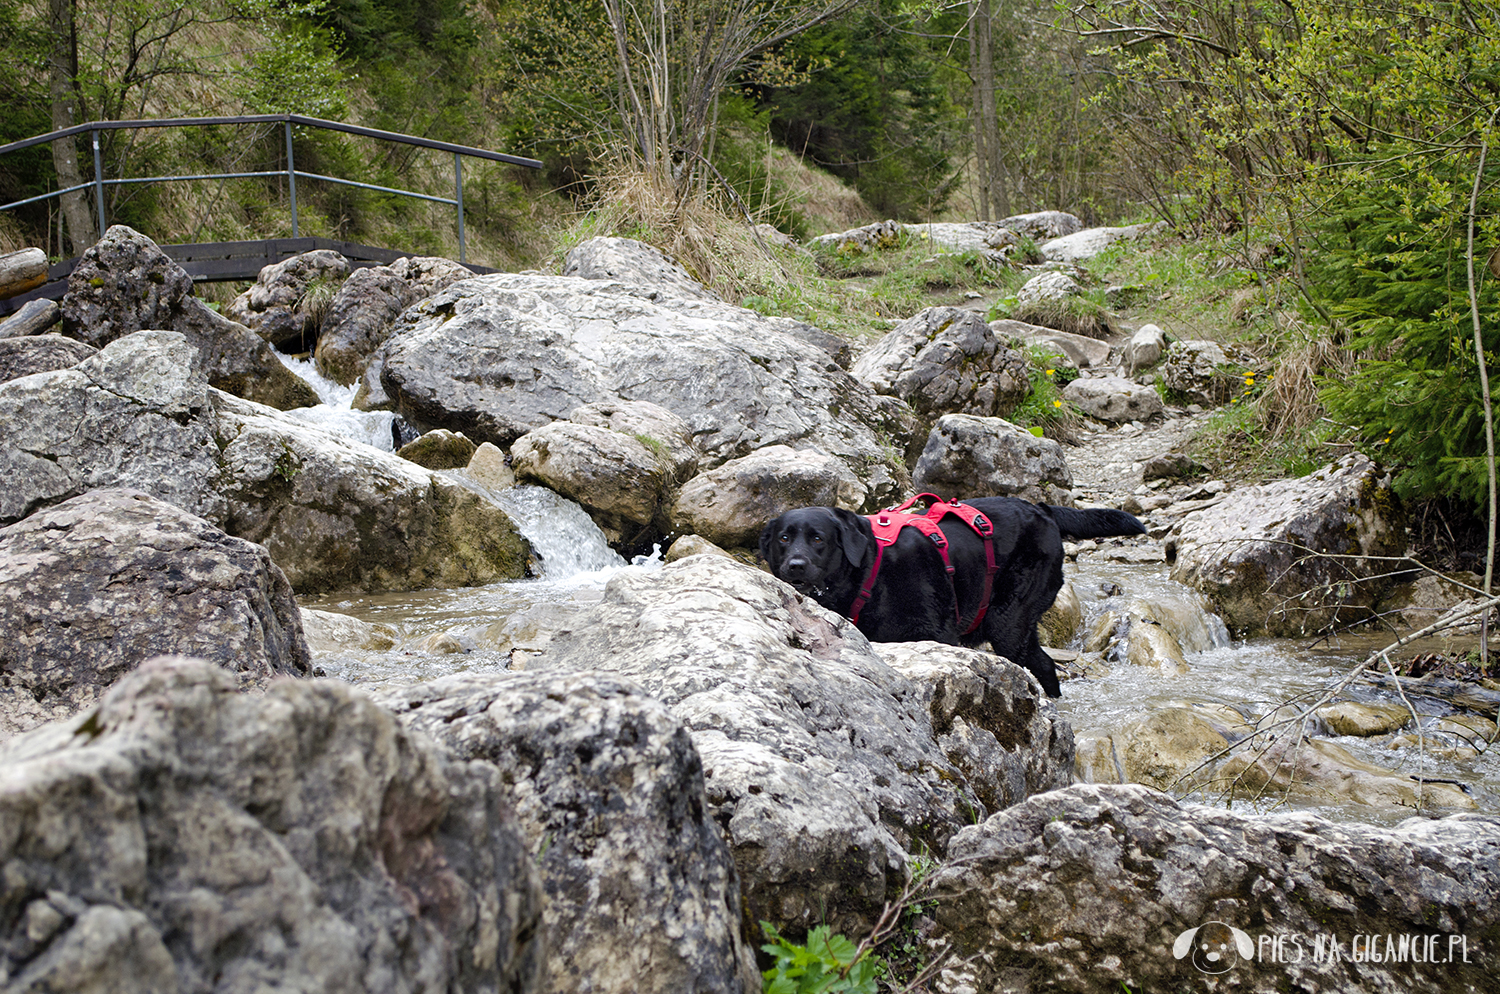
(219, 262)
(226, 261)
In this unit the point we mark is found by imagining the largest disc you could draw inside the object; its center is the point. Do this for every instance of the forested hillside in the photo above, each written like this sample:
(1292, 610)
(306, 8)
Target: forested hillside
(1333, 158)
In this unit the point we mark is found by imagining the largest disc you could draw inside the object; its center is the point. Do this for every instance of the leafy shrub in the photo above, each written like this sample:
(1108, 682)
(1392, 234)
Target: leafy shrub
(827, 964)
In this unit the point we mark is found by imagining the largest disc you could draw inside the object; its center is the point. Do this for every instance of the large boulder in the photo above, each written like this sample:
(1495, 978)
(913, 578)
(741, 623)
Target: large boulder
(185, 837)
(1096, 888)
(497, 356)
(341, 515)
(1079, 351)
(94, 586)
(633, 263)
(1079, 246)
(1296, 556)
(728, 505)
(826, 767)
(1199, 371)
(945, 360)
(361, 313)
(642, 895)
(285, 304)
(990, 457)
(1043, 226)
(40, 354)
(622, 462)
(1113, 398)
(125, 283)
(135, 415)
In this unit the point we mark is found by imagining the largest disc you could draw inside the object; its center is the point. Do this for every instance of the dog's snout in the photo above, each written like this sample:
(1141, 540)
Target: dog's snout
(795, 567)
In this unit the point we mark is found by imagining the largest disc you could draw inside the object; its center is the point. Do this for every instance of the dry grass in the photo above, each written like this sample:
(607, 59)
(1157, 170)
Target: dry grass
(707, 235)
(823, 199)
(1289, 407)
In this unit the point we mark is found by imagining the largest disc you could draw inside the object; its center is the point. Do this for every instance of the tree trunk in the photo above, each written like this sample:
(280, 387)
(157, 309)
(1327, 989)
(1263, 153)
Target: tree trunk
(999, 196)
(978, 8)
(62, 68)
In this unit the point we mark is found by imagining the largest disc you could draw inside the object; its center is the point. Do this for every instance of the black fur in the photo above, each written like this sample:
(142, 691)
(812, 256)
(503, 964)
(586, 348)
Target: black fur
(825, 552)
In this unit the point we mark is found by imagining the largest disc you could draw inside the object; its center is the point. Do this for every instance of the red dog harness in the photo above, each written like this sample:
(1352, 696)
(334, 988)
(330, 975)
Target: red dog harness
(888, 524)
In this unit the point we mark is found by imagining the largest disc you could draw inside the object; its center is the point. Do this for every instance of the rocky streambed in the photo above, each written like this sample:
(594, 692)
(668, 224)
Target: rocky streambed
(396, 763)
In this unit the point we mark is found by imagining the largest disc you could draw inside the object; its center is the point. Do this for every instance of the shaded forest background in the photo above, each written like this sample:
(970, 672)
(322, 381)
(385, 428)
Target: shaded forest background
(1331, 159)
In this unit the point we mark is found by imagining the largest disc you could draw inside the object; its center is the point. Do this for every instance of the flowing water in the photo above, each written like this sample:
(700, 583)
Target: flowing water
(436, 632)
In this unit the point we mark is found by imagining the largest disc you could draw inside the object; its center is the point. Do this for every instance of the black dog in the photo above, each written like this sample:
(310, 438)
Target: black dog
(827, 552)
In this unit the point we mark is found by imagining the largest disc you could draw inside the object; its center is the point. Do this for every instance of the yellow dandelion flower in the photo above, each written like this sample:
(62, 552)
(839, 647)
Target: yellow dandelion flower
(1057, 403)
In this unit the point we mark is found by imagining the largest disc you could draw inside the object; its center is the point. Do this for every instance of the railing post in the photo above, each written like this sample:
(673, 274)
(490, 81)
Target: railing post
(291, 177)
(98, 180)
(458, 195)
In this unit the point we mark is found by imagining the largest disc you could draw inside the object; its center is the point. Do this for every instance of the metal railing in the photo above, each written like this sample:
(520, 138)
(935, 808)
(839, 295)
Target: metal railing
(288, 121)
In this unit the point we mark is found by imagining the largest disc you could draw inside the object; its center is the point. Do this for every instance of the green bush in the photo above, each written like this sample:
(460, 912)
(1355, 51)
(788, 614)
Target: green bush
(827, 964)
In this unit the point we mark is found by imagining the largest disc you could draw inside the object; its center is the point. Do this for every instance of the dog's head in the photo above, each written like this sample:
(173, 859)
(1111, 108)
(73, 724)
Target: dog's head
(811, 547)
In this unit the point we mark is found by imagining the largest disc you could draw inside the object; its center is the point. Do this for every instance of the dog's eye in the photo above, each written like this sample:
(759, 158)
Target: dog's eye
(784, 538)
(817, 540)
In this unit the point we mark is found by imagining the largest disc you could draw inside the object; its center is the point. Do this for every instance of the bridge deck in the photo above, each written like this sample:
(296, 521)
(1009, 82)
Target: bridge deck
(218, 262)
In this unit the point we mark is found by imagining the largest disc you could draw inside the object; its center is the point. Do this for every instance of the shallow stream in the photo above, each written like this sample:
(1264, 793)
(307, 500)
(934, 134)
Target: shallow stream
(488, 629)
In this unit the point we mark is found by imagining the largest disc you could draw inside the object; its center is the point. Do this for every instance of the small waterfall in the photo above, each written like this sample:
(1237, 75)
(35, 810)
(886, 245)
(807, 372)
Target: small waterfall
(564, 538)
(336, 413)
(561, 533)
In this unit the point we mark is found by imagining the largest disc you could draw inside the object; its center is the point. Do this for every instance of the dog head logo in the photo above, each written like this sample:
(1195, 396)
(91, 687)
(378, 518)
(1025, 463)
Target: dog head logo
(1214, 946)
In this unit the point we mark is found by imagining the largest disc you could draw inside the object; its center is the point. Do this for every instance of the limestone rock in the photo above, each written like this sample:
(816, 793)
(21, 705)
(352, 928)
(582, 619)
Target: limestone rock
(134, 415)
(1056, 300)
(1321, 772)
(500, 355)
(361, 313)
(439, 449)
(1042, 226)
(95, 585)
(881, 235)
(1079, 351)
(1113, 398)
(821, 762)
(990, 457)
(1363, 718)
(339, 515)
(946, 360)
(1063, 619)
(1083, 245)
(635, 264)
(623, 462)
(185, 837)
(329, 631)
(607, 789)
(40, 354)
(1200, 371)
(1265, 555)
(729, 505)
(125, 283)
(1091, 887)
(285, 303)
(1145, 348)
(490, 468)
(1165, 748)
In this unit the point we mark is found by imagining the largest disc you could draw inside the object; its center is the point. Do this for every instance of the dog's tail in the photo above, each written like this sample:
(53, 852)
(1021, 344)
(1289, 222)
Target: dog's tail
(1094, 523)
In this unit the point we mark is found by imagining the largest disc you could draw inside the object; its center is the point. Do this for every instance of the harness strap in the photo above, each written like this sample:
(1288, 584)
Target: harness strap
(888, 528)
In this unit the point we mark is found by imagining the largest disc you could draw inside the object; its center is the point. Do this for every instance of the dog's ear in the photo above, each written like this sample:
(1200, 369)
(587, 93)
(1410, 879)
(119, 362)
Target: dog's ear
(768, 540)
(852, 537)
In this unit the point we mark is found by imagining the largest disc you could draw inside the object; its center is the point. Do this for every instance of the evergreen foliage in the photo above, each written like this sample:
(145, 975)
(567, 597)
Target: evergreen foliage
(1397, 279)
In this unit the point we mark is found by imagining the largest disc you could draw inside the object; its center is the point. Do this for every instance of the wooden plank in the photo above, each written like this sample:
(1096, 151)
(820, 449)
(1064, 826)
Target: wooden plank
(223, 262)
